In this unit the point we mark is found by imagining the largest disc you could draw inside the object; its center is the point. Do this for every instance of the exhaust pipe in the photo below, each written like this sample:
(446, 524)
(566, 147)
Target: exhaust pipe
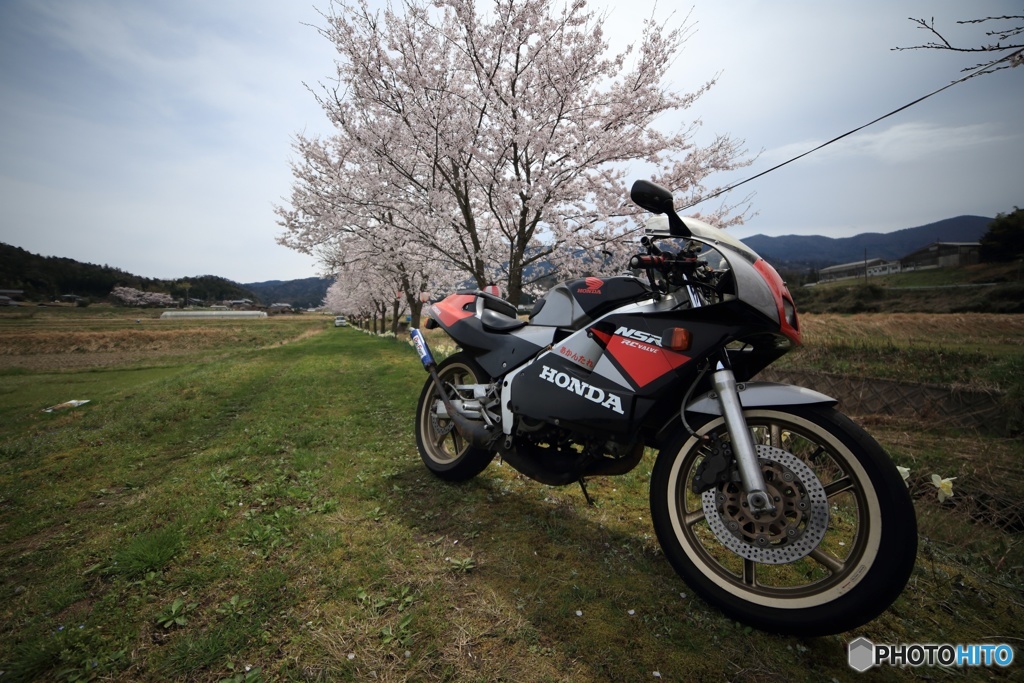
(478, 434)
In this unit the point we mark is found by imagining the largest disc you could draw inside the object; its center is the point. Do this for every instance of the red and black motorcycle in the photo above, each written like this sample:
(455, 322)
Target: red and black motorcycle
(767, 501)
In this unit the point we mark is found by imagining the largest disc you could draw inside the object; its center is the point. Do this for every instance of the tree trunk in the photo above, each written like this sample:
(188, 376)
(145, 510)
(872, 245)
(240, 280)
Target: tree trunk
(415, 308)
(395, 307)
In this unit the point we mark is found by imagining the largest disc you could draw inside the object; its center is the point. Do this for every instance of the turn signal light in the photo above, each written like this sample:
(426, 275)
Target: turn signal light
(676, 339)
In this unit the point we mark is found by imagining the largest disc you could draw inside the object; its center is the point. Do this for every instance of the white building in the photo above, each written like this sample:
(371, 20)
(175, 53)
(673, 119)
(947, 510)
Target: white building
(868, 267)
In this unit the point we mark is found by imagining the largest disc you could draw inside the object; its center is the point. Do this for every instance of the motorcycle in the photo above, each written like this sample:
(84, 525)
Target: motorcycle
(767, 501)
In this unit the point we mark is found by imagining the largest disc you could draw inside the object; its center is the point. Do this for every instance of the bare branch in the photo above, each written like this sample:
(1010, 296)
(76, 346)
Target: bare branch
(1008, 55)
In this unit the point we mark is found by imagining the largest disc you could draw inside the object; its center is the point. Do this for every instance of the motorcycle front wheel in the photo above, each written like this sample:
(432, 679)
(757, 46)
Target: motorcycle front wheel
(444, 451)
(836, 553)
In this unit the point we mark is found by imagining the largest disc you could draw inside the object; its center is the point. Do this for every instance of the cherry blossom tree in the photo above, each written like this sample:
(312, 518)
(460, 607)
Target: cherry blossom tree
(368, 293)
(495, 140)
(402, 268)
(353, 294)
(129, 296)
(338, 301)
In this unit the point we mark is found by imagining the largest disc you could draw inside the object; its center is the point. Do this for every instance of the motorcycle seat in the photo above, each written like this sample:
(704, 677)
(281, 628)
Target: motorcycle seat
(499, 322)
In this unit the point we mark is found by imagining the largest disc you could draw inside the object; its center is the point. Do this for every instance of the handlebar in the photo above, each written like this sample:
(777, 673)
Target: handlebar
(644, 261)
(661, 261)
(666, 270)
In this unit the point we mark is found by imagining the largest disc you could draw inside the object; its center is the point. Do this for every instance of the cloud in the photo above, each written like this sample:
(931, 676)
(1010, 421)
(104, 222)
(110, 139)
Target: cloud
(149, 132)
(195, 66)
(155, 135)
(903, 143)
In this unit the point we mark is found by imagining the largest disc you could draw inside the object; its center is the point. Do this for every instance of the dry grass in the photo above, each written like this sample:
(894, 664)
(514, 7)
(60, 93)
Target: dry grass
(976, 351)
(989, 483)
(168, 340)
(71, 340)
(949, 330)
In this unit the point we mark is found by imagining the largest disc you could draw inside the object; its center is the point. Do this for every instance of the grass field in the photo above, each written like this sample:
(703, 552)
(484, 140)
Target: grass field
(977, 350)
(979, 288)
(243, 501)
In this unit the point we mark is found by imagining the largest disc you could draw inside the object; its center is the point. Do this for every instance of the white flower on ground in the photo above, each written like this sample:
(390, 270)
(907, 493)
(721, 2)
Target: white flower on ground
(945, 487)
(904, 472)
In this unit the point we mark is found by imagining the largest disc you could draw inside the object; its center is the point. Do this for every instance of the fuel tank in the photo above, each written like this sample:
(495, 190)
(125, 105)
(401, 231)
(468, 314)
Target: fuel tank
(575, 303)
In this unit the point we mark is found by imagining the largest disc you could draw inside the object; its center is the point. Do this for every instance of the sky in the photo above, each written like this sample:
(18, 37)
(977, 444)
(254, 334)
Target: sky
(155, 137)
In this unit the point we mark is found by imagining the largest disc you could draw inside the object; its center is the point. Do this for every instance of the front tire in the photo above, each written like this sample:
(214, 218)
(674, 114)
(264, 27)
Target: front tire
(443, 450)
(835, 556)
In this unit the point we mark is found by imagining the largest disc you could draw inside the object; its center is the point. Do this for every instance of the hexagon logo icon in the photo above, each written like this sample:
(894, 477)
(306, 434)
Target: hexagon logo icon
(861, 654)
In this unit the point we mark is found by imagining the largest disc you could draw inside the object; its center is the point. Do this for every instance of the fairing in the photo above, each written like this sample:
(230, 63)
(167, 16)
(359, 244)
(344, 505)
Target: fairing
(626, 380)
(757, 283)
(497, 351)
(590, 358)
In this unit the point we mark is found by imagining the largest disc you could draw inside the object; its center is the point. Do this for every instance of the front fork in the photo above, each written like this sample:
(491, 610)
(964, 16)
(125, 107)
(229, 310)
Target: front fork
(724, 383)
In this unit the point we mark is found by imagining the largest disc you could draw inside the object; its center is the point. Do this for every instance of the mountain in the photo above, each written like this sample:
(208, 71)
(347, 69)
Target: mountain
(43, 278)
(305, 293)
(803, 252)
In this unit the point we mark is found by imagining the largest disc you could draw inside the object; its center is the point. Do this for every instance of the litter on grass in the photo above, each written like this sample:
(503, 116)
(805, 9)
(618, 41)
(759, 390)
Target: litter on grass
(66, 404)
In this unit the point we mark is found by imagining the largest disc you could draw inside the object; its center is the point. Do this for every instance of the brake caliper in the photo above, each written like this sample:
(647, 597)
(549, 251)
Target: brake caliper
(717, 467)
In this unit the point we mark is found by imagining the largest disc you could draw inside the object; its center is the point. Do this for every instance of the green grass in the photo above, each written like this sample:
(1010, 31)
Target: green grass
(263, 506)
(980, 288)
(1000, 370)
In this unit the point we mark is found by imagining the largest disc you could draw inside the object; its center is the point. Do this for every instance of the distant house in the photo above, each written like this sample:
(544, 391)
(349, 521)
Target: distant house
(279, 308)
(935, 255)
(869, 267)
(239, 304)
(943, 255)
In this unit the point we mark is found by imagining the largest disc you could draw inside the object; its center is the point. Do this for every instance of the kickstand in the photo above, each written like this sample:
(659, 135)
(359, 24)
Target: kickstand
(583, 486)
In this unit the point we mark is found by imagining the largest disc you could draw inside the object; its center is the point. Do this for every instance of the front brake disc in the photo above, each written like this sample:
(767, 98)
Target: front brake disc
(796, 527)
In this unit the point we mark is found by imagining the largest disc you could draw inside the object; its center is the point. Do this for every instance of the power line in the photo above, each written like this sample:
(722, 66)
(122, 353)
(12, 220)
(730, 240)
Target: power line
(976, 72)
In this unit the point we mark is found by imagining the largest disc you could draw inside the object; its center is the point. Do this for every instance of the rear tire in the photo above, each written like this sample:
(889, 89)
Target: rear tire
(442, 448)
(836, 557)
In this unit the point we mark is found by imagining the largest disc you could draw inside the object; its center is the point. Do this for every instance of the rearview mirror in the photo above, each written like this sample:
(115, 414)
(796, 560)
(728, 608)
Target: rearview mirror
(651, 197)
(656, 199)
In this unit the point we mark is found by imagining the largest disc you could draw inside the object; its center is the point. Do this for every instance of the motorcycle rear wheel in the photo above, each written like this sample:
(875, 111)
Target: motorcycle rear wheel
(846, 504)
(443, 450)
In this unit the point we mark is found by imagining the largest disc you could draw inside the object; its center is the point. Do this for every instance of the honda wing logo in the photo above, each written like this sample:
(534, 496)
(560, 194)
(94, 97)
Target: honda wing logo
(593, 286)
